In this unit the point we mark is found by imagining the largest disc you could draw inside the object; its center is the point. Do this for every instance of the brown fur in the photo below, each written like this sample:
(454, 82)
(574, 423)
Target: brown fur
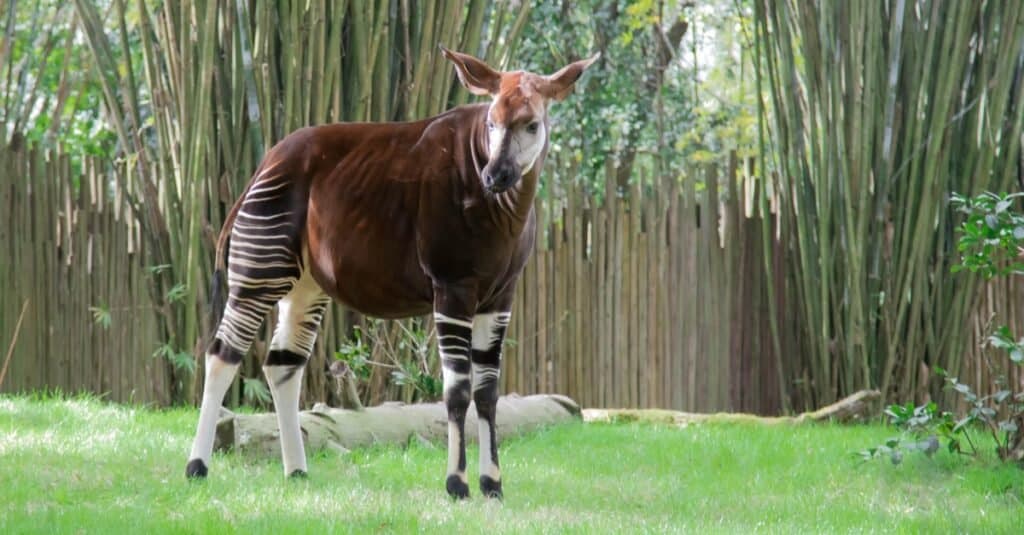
(395, 211)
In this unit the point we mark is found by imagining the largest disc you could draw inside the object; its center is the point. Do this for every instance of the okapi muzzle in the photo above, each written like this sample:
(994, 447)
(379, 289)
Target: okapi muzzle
(501, 173)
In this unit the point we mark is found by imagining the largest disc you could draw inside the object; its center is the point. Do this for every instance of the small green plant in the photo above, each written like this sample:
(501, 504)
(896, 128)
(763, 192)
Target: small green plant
(992, 243)
(255, 391)
(356, 356)
(101, 315)
(921, 429)
(401, 349)
(177, 292)
(1001, 414)
(181, 360)
(925, 427)
(424, 383)
(1003, 339)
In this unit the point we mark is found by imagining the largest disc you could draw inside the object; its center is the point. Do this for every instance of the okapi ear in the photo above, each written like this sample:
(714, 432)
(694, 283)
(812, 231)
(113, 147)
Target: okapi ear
(558, 86)
(474, 74)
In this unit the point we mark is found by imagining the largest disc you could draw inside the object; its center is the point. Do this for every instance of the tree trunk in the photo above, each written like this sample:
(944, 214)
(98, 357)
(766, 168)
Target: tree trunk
(342, 429)
(852, 408)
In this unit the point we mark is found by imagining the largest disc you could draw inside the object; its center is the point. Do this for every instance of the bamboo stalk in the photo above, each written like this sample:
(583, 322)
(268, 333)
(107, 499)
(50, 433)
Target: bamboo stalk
(870, 188)
(14, 340)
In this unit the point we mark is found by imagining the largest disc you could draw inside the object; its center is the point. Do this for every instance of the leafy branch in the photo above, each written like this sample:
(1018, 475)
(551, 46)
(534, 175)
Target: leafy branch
(992, 237)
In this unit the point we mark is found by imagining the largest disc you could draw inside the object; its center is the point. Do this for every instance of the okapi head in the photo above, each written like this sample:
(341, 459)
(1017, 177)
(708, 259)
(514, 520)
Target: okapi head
(517, 126)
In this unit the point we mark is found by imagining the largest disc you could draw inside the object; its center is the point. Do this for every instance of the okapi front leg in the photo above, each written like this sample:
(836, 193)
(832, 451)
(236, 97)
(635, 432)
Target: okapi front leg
(488, 335)
(454, 333)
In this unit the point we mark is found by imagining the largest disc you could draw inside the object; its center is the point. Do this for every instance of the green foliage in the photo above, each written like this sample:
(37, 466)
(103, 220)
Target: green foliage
(991, 243)
(404, 350)
(177, 292)
(101, 315)
(255, 391)
(997, 413)
(156, 270)
(1003, 339)
(423, 382)
(673, 87)
(181, 360)
(921, 428)
(356, 356)
(991, 238)
(717, 71)
(47, 91)
(924, 427)
(630, 102)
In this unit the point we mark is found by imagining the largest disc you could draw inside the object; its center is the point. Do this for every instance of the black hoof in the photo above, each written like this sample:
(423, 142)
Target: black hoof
(457, 488)
(196, 469)
(298, 474)
(490, 488)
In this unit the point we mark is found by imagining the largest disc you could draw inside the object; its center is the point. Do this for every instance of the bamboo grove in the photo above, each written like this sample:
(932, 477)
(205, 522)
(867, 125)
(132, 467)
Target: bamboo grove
(878, 111)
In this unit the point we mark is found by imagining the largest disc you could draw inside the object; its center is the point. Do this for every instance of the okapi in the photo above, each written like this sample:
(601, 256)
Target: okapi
(393, 220)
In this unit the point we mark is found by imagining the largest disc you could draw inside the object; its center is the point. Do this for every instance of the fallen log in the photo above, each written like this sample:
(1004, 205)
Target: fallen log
(342, 429)
(855, 407)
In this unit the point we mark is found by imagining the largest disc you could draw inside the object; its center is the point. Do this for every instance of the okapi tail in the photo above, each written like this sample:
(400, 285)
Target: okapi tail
(220, 263)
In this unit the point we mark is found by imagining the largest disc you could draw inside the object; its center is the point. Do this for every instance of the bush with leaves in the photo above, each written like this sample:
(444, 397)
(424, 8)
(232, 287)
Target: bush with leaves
(991, 243)
(992, 237)
(925, 428)
(394, 355)
(920, 430)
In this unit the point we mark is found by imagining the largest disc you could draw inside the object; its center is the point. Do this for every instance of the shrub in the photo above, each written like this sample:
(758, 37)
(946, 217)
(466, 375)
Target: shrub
(991, 243)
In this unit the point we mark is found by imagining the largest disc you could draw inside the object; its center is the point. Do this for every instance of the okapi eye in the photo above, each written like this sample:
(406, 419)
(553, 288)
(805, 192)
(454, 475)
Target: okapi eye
(532, 127)
(490, 125)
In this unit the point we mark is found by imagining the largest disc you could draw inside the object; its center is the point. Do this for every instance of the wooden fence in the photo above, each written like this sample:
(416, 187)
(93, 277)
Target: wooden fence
(656, 297)
(69, 252)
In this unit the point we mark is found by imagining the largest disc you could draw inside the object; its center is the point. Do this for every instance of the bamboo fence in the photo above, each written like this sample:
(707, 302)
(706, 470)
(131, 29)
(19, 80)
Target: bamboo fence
(655, 298)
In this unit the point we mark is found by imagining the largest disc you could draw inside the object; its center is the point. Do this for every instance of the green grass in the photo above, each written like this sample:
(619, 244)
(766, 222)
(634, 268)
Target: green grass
(79, 465)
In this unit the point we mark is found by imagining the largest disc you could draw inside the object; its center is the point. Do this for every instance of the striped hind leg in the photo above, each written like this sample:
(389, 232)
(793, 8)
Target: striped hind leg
(243, 315)
(263, 266)
(299, 315)
(488, 336)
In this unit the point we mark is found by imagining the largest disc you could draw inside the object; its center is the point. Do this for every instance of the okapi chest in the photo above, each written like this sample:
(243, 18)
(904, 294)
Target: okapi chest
(393, 220)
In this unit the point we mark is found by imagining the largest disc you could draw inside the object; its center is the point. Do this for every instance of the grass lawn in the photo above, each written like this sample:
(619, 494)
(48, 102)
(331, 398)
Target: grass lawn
(79, 465)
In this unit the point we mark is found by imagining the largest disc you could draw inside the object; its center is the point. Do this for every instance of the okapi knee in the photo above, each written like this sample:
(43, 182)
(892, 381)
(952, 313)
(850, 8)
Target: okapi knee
(224, 352)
